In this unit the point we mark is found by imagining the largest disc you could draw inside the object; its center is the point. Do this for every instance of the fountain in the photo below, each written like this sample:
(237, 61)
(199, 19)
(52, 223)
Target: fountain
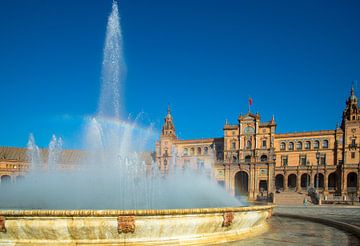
(111, 194)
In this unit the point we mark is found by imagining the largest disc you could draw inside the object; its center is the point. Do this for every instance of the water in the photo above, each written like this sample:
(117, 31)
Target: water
(111, 171)
(54, 155)
(113, 68)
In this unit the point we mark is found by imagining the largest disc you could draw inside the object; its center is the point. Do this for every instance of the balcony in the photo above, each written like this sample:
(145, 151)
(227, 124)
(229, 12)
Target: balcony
(353, 146)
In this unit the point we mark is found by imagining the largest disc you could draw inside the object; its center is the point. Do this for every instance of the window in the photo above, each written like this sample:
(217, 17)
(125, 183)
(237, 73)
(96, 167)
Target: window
(299, 145)
(291, 146)
(325, 144)
(284, 160)
(323, 159)
(282, 146)
(192, 151)
(233, 133)
(307, 145)
(234, 159)
(353, 142)
(199, 151)
(248, 144)
(264, 144)
(248, 158)
(352, 155)
(263, 158)
(316, 144)
(233, 145)
(186, 151)
(206, 150)
(302, 160)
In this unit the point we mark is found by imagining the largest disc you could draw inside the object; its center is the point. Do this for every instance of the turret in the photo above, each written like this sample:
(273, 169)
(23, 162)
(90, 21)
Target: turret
(351, 112)
(168, 128)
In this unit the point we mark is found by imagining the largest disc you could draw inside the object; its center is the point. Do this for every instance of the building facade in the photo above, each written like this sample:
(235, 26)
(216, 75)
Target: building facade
(252, 159)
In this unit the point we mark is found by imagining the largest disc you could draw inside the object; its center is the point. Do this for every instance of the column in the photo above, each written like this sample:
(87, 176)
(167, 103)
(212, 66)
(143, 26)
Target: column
(298, 182)
(286, 182)
(228, 182)
(326, 184)
(344, 186)
(232, 182)
(312, 177)
(358, 184)
(250, 182)
(255, 191)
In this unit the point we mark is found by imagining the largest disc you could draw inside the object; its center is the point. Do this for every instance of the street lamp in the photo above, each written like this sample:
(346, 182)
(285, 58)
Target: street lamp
(317, 171)
(227, 184)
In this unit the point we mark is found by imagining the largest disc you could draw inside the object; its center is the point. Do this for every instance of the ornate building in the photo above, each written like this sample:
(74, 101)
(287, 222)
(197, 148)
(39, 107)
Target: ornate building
(252, 159)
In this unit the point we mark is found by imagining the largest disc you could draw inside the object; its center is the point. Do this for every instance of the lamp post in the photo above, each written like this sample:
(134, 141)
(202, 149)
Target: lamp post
(274, 178)
(227, 183)
(317, 171)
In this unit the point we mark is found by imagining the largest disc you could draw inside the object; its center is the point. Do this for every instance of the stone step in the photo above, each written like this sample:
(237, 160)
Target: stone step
(290, 198)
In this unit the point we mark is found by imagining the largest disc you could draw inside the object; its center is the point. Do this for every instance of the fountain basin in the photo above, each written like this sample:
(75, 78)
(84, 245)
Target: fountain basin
(131, 227)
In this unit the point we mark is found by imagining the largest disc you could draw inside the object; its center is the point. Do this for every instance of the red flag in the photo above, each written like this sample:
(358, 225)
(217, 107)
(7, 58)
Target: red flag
(250, 101)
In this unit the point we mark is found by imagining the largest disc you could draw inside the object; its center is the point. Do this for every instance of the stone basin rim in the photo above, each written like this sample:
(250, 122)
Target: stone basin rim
(142, 212)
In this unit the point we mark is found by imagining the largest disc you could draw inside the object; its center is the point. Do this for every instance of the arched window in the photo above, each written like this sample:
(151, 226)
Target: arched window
(282, 146)
(186, 151)
(199, 151)
(307, 145)
(233, 145)
(316, 144)
(299, 145)
(325, 144)
(291, 146)
(248, 144)
(263, 158)
(206, 150)
(192, 151)
(248, 158)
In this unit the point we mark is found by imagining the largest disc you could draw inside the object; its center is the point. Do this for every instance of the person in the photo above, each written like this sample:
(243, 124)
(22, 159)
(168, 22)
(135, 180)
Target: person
(305, 202)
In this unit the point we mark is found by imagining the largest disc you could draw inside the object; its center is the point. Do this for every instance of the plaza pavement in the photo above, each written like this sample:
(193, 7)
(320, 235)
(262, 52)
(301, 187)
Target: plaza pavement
(345, 214)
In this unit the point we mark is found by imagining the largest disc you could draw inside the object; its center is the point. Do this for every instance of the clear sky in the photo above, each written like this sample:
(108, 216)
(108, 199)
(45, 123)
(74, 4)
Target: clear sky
(296, 59)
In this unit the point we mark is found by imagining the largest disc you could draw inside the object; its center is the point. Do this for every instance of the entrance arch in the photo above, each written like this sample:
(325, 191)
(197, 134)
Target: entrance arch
(20, 178)
(241, 183)
(305, 181)
(263, 187)
(321, 180)
(333, 181)
(352, 182)
(292, 181)
(279, 181)
(5, 179)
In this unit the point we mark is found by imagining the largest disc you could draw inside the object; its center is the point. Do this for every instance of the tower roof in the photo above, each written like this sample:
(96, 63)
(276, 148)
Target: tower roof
(352, 93)
(168, 128)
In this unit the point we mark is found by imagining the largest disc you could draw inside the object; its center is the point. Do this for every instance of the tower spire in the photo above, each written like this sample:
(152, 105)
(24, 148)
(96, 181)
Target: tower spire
(168, 128)
(169, 110)
(352, 111)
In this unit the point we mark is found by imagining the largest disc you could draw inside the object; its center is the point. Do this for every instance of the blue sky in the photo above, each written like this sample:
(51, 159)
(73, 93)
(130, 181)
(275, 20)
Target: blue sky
(296, 59)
